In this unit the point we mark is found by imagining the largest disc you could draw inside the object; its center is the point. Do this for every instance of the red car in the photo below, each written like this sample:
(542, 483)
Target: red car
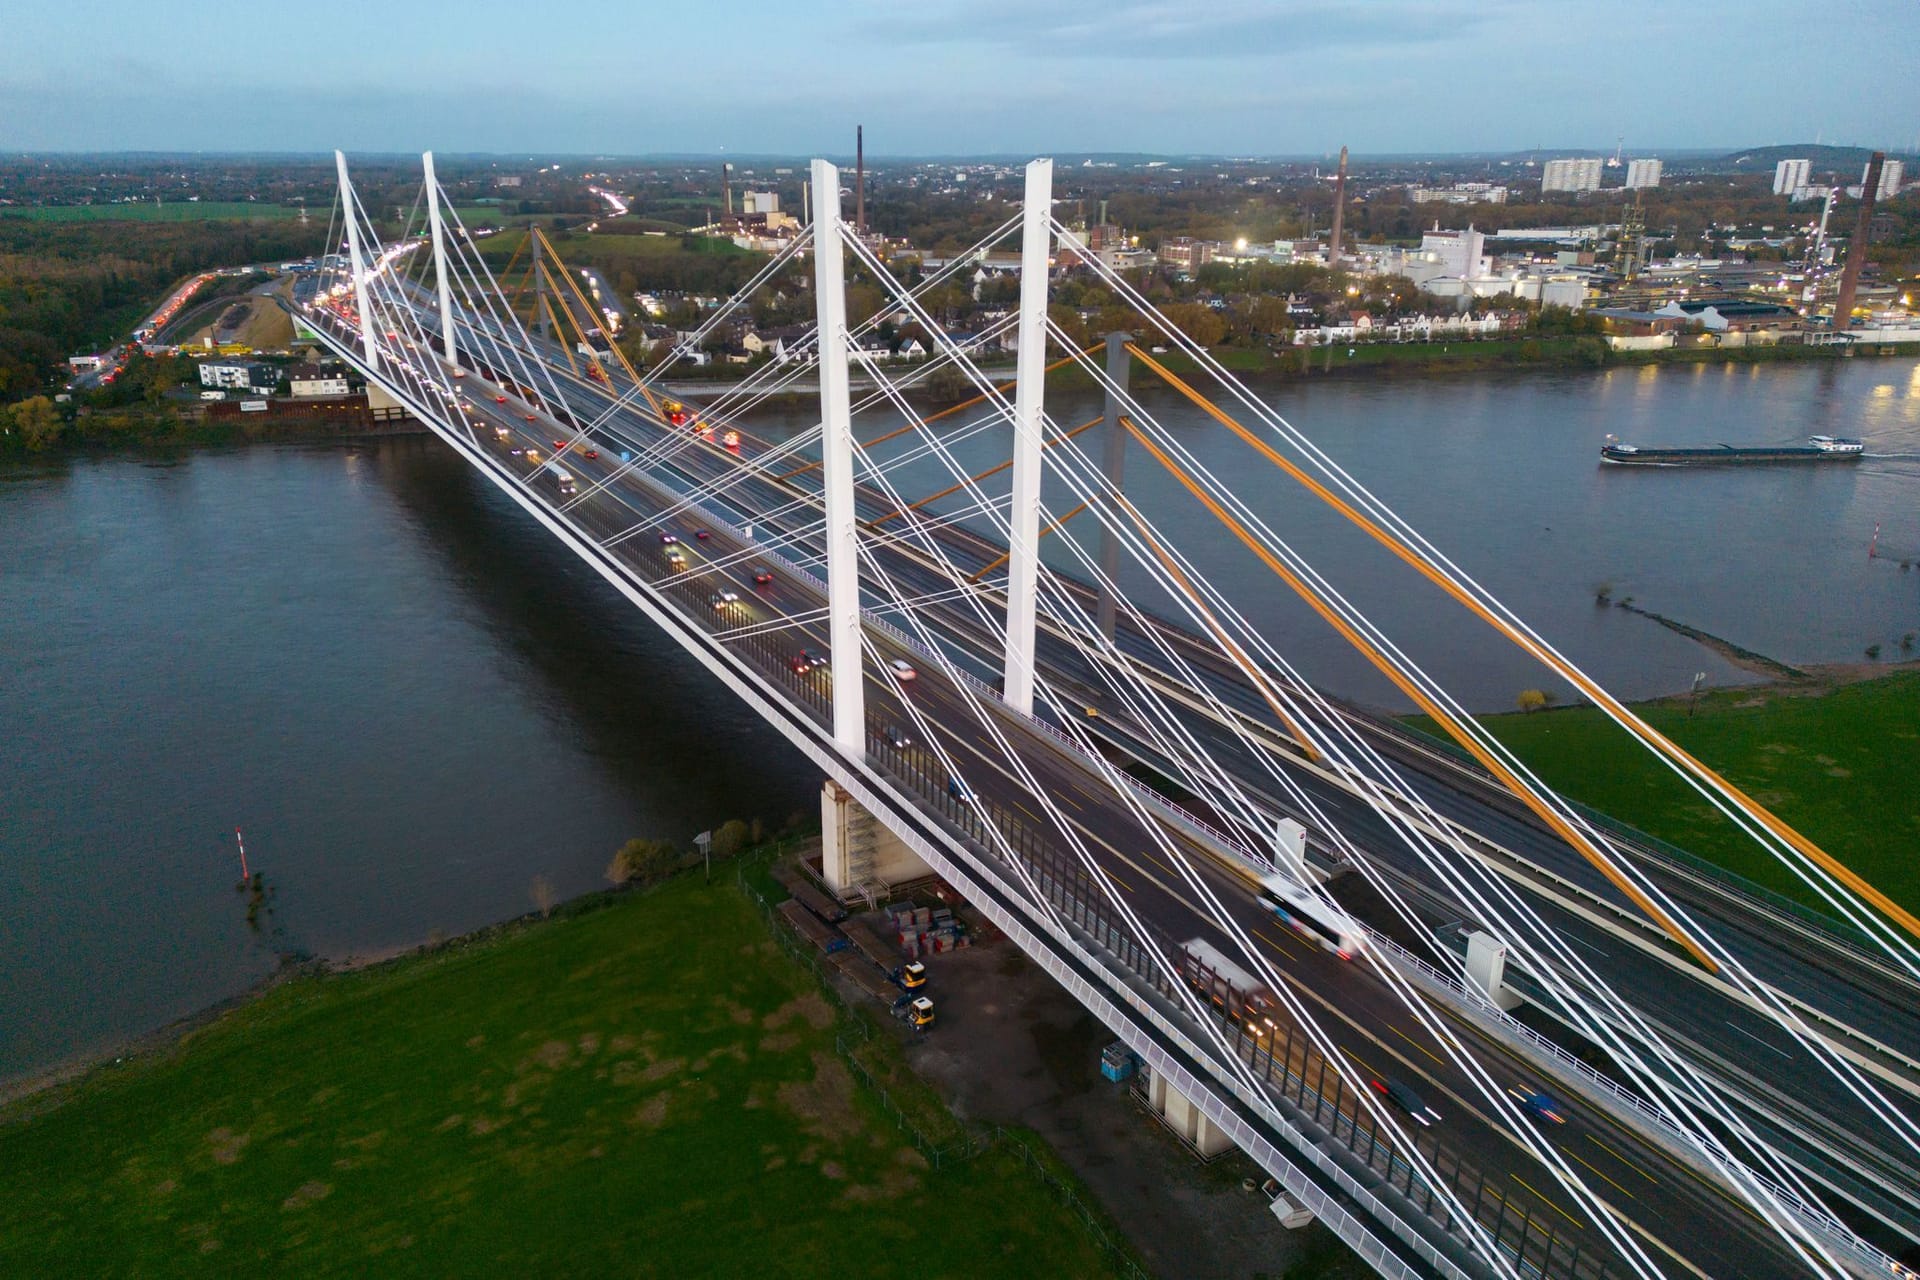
(499, 399)
(592, 454)
(761, 577)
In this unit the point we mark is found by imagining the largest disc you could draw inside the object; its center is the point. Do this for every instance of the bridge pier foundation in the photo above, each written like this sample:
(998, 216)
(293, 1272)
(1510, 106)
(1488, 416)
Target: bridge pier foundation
(857, 849)
(1186, 1119)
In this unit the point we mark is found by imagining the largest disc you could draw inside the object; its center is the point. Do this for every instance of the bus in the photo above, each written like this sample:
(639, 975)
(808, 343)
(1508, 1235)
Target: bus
(564, 480)
(1316, 920)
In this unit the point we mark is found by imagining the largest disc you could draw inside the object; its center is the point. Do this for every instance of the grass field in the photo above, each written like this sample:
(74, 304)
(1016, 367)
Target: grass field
(1843, 767)
(648, 1088)
(178, 211)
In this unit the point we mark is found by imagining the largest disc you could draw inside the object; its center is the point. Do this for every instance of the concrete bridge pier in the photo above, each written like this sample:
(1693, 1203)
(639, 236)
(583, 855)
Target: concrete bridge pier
(858, 850)
(1185, 1119)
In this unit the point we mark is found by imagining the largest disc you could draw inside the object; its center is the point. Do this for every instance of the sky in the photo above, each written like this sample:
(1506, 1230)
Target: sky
(1221, 77)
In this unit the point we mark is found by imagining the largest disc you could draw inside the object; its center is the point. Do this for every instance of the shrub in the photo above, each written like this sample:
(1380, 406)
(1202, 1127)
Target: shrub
(643, 862)
(730, 838)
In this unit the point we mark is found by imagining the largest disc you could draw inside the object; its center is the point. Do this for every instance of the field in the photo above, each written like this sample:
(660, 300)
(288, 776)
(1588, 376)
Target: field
(643, 1087)
(1840, 765)
(178, 211)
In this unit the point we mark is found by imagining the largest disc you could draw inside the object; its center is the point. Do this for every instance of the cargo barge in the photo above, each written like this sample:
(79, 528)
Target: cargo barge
(1816, 449)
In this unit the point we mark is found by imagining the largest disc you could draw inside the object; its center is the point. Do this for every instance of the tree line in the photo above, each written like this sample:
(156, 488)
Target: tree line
(71, 287)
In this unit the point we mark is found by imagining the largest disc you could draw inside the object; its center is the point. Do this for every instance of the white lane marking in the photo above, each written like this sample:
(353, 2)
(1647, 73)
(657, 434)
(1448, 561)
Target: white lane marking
(1763, 1043)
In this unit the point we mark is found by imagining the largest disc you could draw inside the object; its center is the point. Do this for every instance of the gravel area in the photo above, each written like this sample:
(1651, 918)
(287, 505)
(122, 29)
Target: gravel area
(1011, 1047)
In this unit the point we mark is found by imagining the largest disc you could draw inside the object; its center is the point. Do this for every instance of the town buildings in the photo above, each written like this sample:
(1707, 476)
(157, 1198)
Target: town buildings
(238, 375)
(1643, 173)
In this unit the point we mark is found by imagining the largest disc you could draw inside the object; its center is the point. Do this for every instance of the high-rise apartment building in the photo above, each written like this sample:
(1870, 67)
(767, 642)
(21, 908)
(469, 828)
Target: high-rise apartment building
(1790, 177)
(1890, 174)
(1571, 175)
(1643, 173)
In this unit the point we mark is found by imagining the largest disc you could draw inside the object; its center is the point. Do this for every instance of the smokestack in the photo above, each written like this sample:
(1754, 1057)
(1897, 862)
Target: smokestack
(1339, 210)
(1857, 247)
(859, 180)
(726, 188)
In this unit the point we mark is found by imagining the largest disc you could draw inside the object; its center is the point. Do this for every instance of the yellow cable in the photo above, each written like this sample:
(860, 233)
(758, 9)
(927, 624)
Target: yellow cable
(1387, 668)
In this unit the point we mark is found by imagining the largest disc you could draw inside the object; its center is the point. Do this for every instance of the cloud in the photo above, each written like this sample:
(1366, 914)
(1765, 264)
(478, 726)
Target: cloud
(1053, 30)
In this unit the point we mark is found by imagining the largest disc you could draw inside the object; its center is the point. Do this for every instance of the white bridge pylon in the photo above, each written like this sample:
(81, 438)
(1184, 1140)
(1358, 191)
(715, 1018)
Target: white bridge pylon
(836, 449)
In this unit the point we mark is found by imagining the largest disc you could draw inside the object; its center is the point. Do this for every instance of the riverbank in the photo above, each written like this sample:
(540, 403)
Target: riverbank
(1262, 366)
(649, 1069)
(1836, 754)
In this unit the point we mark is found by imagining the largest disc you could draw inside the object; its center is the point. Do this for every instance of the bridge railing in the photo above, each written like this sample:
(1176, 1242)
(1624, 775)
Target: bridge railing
(1462, 993)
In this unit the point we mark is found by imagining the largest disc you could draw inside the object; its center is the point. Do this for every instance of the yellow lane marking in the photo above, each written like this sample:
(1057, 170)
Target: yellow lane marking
(1622, 1159)
(1362, 1061)
(1550, 1204)
(1067, 800)
(1416, 1044)
(1573, 1155)
(1277, 944)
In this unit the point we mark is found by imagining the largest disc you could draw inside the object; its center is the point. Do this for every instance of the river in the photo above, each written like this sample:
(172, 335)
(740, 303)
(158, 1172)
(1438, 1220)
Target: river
(415, 702)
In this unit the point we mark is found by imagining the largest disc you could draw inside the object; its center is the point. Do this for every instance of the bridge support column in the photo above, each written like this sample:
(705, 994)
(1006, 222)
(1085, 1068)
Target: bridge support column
(1029, 406)
(1113, 463)
(440, 262)
(857, 849)
(836, 468)
(1186, 1119)
(1487, 968)
(356, 262)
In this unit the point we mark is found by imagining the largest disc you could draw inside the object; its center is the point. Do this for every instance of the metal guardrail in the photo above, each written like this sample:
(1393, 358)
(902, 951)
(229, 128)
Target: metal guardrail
(1654, 849)
(1815, 1215)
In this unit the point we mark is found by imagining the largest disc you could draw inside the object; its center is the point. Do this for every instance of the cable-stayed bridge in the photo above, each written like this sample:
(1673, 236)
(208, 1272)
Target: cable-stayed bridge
(1619, 1063)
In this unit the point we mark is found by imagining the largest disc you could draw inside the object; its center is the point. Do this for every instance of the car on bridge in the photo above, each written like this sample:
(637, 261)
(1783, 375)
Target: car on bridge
(1402, 1096)
(725, 601)
(668, 539)
(762, 575)
(676, 560)
(702, 534)
(960, 791)
(499, 399)
(897, 738)
(807, 660)
(1541, 1106)
(902, 671)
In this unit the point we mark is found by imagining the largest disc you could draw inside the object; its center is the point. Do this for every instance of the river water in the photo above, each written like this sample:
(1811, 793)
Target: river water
(415, 702)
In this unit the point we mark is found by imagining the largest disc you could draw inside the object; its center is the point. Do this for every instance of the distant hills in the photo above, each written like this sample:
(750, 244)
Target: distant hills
(1844, 160)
